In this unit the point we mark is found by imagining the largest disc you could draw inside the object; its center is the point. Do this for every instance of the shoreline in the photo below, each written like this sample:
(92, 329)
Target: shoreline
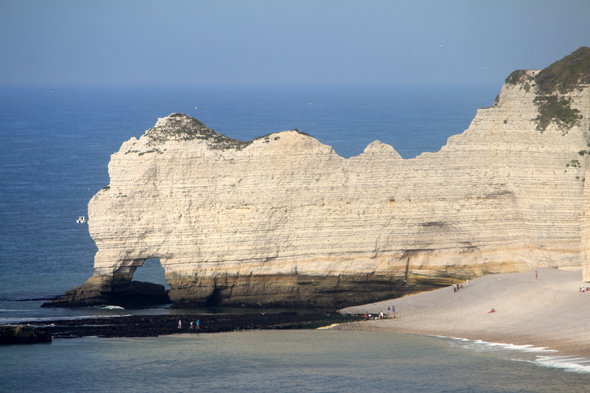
(545, 312)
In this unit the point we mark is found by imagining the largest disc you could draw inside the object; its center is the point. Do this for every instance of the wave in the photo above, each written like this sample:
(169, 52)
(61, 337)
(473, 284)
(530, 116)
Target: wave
(38, 320)
(543, 356)
(480, 345)
(111, 308)
(568, 363)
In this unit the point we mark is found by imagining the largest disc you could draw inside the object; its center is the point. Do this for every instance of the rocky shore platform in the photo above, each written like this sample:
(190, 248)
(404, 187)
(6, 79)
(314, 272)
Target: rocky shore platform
(23, 335)
(156, 325)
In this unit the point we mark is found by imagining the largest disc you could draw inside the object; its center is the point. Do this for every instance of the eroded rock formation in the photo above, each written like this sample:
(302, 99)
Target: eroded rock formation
(283, 220)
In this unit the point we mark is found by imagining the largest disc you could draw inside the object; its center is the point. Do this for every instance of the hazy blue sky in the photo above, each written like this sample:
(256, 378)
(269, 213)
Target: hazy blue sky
(283, 42)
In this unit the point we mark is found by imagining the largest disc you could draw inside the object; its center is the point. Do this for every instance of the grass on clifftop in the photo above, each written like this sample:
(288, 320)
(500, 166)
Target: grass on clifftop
(182, 127)
(566, 74)
(518, 76)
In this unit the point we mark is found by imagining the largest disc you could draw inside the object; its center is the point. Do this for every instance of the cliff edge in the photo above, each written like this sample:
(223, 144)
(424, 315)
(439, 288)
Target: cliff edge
(283, 220)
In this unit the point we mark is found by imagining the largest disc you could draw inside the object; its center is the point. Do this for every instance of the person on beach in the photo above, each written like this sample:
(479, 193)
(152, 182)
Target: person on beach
(491, 311)
(198, 324)
(179, 324)
(536, 275)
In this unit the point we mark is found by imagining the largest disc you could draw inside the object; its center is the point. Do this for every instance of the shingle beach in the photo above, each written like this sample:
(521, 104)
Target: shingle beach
(548, 311)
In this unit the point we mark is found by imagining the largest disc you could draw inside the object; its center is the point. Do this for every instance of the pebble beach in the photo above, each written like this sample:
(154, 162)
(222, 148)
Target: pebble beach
(545, 309)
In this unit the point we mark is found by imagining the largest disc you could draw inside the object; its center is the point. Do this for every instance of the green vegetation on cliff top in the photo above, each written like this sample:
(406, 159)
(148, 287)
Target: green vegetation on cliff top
(562, 77)
(182, 127)
(518, 76)
(566, 74)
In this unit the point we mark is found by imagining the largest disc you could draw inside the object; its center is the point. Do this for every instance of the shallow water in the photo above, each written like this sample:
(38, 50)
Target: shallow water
(265, 361)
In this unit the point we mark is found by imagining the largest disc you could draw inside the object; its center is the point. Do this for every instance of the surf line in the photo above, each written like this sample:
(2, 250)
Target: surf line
(544, 356)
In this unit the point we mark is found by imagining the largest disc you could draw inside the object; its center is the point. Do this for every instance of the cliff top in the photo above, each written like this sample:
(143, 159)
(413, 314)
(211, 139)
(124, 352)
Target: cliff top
(563, 76)
(566, 74)
(182, 127)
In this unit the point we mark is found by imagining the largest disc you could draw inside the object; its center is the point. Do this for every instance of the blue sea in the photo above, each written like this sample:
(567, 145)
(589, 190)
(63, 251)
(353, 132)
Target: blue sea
(55, 152)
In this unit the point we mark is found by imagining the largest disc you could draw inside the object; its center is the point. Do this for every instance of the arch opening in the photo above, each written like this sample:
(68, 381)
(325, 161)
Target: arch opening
(151, 270)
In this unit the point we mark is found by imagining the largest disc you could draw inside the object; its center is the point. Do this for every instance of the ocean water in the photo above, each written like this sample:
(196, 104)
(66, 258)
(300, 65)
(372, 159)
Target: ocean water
(56, 148)
(270, 361)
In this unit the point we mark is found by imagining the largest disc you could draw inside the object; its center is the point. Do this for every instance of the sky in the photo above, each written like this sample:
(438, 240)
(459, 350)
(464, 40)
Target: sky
(182, 42)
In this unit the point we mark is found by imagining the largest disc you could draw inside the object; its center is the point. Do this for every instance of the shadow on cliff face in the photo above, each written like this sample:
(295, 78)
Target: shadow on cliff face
(216, 298)
(127, 294)
(145, 286)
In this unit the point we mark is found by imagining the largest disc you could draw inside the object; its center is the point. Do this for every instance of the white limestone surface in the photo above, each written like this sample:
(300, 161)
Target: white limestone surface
(262, 220)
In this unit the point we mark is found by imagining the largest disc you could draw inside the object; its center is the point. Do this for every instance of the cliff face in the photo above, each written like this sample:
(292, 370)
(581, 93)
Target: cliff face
(283, 220)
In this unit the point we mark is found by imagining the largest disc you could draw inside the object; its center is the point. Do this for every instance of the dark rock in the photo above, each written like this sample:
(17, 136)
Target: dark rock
(23, 335)
(128, 294)
(156, 325)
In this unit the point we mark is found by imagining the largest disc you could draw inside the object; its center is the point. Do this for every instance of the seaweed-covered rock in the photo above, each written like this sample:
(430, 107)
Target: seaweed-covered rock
(22, 335)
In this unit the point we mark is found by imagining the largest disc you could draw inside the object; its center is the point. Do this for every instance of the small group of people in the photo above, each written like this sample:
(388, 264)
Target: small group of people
(380, 315)
(191, 326)
(456, 287)
(392, 310)
(582, 289)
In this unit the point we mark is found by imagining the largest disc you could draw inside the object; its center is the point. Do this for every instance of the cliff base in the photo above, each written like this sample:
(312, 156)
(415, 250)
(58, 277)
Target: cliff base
(128, 294)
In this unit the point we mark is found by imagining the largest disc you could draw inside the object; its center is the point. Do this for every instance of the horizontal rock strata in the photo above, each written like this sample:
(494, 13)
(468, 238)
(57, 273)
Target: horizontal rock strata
(283, 220)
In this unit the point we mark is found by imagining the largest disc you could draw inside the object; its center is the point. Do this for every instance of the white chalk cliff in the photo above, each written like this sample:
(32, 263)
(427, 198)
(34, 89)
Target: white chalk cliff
(283, 220)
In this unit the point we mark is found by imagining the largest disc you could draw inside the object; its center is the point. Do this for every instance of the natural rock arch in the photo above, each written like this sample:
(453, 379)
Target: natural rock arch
(283, 220)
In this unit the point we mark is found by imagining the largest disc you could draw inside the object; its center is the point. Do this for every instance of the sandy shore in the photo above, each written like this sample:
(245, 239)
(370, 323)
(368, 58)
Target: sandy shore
(546, 312)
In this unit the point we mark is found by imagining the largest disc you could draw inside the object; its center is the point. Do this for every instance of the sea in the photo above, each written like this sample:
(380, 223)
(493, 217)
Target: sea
(55, 151)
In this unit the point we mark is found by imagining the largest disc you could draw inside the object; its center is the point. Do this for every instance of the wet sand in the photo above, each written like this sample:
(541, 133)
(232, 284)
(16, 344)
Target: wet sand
(548, 311)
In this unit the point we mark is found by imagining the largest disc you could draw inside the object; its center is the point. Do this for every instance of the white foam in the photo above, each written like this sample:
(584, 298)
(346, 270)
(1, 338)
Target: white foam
(568, 363)
(33, 321)
(544, 356)
(487, 346)
(112, 308)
